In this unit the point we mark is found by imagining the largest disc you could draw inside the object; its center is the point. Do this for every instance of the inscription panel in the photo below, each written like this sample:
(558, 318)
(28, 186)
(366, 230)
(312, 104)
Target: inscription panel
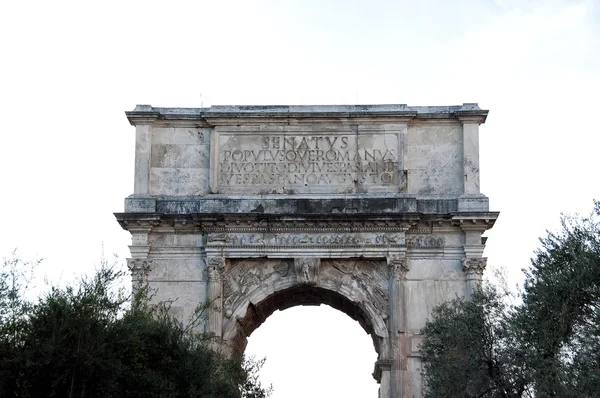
(307, 162)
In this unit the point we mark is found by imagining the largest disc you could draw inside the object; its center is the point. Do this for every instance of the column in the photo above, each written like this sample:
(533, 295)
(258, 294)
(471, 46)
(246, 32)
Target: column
(398, 265)
(473, 268)
(214, 272)
(473, 262)
(139, 264)
(382, 374)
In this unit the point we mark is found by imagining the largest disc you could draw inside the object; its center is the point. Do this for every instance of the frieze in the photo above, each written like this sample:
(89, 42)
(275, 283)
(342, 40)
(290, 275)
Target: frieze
(425, 241)
(305, 239)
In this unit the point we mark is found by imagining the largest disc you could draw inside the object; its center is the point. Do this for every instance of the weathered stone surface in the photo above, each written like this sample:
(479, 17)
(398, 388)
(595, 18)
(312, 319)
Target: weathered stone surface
(317, 158)
(374, 210)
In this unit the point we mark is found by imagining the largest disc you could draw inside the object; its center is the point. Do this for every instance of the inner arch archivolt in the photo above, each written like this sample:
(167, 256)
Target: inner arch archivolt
(254, 289)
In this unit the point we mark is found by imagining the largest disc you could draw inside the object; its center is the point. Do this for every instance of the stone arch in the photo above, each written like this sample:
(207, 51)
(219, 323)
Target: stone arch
(264, 300)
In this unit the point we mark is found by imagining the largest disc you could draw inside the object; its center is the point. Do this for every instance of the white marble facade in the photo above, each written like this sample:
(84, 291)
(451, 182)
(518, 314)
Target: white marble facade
(374, 210)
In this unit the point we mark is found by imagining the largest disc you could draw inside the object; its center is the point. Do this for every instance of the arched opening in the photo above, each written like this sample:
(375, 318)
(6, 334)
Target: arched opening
(256, 313)
(314, 352)
(262, 304)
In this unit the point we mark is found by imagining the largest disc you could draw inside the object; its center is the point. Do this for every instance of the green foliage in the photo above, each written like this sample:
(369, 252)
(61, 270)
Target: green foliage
(561, 307)
(548, 346)
(89, 340)
(469, 349)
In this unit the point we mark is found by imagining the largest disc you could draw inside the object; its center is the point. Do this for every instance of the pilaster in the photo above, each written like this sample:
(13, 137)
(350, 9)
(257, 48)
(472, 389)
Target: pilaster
(140, 244)
(471, 117)
(142, 117)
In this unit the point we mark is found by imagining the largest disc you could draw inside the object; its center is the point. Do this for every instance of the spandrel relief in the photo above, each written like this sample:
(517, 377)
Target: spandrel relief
(244, 276)
(368, 280)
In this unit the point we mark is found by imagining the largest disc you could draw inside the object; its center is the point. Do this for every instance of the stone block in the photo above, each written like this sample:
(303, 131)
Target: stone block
(473, 203)
(179, 181)
(424, 295)
(135, 204)
(181, 136)
(180, 156)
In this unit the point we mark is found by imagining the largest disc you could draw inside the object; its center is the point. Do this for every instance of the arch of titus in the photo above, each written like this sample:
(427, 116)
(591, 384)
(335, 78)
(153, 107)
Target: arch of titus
(374, 210)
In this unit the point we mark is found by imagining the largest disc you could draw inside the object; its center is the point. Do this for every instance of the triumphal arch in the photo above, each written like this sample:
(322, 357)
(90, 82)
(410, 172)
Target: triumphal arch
(374, 210)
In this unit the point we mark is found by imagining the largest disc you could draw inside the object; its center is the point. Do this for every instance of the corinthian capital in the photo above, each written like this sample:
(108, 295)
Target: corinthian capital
(398, 266)
(474, 265)
(215, 267)
(138, 266)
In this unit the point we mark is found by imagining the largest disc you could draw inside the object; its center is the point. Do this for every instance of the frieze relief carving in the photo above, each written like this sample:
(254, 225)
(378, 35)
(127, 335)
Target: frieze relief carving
(424, 241)
(368, 278)
(308, 239)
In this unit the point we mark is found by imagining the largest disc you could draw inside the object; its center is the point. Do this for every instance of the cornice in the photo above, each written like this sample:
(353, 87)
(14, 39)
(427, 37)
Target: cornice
(142, 114)
(471, 113)
(475, 221)
(223, 114)
(253, 222)
(410, 223)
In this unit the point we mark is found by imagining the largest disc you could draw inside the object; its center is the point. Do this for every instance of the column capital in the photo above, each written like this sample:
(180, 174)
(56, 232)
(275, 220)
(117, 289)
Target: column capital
(398, 265)
(382, 365)
(140, 268)
(474, 265)
(214, 268)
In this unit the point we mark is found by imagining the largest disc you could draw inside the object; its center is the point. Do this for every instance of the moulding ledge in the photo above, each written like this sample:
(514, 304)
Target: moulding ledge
(219, 114)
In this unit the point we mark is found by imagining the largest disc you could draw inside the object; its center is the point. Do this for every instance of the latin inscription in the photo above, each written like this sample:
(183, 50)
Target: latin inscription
(304, 160)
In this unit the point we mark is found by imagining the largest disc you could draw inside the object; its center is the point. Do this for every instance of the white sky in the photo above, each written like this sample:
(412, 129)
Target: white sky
(68, 71)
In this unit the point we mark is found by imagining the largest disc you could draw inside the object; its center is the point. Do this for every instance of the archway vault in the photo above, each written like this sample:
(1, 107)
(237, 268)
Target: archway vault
(336, 283)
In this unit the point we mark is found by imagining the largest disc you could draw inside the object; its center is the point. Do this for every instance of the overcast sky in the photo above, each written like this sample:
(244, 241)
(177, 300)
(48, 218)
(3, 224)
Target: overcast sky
(68, 71)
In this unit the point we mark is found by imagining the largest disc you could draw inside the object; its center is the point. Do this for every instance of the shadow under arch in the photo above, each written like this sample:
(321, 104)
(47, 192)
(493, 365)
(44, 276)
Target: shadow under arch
(262, 304)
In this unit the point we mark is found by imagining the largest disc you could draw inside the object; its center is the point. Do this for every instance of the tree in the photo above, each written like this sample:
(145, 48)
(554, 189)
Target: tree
(90, 340)
(469, 349)
(559, 317)
(548, 346)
